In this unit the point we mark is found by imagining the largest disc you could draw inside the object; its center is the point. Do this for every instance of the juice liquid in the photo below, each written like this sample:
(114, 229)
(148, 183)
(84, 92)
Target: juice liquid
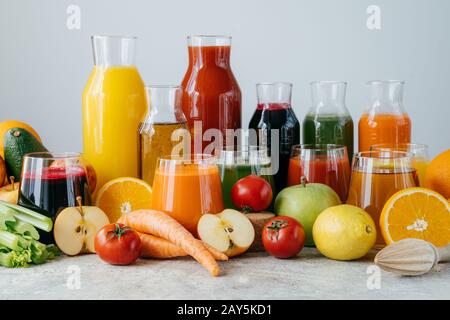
(187, 191)
(280, 117)
(211, 94)
(383, 129)
(335, 174)
(329, 129)
(52, 191)
(370, 191)
(114, 105)
(420, 164)
(155, 141)
(230, 174)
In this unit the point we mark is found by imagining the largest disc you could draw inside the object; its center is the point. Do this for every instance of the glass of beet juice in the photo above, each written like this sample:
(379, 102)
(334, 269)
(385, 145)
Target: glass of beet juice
(51, 182)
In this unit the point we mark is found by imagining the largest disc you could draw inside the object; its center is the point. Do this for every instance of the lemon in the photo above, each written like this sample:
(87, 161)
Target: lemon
(344, 232)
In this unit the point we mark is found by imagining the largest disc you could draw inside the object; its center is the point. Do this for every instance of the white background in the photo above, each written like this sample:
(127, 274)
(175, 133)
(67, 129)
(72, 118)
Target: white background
(44, 65)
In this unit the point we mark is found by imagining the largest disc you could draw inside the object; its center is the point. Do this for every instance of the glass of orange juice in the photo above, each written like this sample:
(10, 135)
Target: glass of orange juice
(419, 151)
(186, 188)
(376, 176)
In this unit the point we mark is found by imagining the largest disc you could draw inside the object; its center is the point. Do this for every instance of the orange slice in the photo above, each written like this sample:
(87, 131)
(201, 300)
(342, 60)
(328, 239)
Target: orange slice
(123, 195)
(416, 213)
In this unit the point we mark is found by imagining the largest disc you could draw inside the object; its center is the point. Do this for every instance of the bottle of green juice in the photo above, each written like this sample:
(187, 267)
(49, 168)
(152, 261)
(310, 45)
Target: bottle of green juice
(328, 121)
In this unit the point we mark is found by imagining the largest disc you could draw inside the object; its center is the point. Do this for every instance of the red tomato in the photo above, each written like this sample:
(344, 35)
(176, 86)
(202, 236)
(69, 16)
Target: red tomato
(252, 194)
(118, 244)
(283, 237)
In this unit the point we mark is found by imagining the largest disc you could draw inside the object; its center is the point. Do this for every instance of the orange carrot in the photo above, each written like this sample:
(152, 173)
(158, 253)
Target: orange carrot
(214, 252)
(161, 225)
(159, 248)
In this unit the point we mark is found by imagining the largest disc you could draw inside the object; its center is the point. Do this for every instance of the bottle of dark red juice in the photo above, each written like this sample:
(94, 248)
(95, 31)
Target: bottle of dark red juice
(211, 94)
(275, 127)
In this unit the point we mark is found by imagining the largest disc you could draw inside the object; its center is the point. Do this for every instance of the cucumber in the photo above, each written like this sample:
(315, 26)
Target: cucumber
(17, 143)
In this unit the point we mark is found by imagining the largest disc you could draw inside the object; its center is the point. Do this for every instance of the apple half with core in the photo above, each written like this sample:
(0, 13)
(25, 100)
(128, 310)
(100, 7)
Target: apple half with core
(304, 202)
(76, 227)
(230, 231)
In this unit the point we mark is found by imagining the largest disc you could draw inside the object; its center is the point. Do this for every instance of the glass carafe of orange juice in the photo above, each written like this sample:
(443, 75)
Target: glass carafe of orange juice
(164, 130)
(385, 120)
(114, 105)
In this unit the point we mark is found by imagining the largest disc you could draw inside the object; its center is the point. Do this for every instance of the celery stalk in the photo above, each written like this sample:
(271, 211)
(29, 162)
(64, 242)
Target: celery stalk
(34, 218)
(6, 216)
(9, 240)
(24, 228)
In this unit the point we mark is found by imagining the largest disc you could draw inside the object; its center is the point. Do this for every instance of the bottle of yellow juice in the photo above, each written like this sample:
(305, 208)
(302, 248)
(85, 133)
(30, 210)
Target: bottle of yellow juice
(114, 105)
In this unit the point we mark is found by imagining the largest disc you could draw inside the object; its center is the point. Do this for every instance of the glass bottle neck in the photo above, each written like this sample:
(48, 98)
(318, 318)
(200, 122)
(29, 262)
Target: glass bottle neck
(209, 50)
(386, 96)
(273, 94)
(164, 104)
(328, 97)
(114, 51)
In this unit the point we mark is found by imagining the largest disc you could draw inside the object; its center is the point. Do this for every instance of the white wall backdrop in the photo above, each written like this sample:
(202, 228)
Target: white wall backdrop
(44, 65)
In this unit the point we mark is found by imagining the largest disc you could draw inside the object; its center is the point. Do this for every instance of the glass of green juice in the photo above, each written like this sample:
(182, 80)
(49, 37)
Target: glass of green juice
(234, 165)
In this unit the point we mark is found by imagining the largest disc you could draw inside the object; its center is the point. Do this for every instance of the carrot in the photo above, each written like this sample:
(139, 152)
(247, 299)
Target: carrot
(214, 252)
(161, 225)
(160, 248)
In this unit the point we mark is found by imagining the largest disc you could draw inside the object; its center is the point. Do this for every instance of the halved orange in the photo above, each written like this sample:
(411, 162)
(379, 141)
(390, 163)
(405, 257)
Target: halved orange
(123, 195)
(416, 213)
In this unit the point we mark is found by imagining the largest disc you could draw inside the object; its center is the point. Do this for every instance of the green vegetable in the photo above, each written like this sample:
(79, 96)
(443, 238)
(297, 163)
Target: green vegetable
(18, 142)
(6, 216)
(9, 240)
(26, 215)
(13, 259)
(18, 237)
(24, 228)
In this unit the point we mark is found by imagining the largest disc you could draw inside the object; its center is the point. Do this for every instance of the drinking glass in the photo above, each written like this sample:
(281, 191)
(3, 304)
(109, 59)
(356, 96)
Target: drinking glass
(419, 151)
(376, 176)
(51, 182)
(186, 188)
(327, 164)
(235, 165)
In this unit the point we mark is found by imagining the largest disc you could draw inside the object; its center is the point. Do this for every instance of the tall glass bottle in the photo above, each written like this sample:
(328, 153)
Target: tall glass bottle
(113, 107)
(385, 121)
(163, 132)
(276, 127)
(211, 94)
(328, 121)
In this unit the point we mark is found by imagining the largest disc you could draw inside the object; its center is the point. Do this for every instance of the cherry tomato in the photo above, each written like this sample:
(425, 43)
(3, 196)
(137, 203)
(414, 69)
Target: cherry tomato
(118, 244)
(252, 194)
(283, 237)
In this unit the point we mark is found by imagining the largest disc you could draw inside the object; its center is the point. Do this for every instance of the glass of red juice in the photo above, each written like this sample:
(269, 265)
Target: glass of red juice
(327, 164)
(51, 182)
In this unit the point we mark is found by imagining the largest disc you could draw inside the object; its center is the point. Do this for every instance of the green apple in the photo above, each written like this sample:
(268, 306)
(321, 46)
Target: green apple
(304, 202)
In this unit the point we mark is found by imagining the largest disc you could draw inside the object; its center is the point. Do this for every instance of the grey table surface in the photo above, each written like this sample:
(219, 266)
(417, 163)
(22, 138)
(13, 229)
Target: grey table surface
(252, 276)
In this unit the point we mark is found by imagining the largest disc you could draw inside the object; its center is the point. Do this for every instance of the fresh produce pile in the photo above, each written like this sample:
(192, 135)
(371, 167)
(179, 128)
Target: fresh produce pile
(95, 203)
(123, 227)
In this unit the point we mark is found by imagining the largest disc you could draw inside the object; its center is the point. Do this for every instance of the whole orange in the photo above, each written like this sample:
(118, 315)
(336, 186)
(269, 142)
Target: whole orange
(8, 124)
(437, 176)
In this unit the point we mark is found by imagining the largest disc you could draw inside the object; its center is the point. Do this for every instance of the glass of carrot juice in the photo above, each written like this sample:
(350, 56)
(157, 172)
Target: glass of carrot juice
(378, 175)
(186, 188)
